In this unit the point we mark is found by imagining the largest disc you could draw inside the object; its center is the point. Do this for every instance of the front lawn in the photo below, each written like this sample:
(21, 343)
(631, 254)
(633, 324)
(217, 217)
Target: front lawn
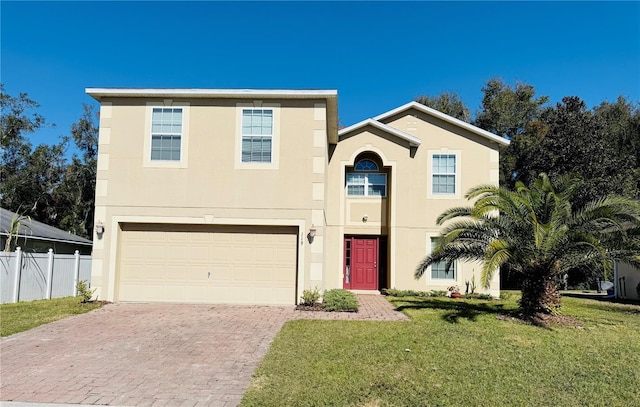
(23, 316)
(456, 353)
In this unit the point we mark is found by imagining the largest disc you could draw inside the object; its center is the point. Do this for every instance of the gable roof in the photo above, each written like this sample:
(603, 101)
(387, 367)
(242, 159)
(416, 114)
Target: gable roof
(413, 140)
(32, 229)
(432, 112)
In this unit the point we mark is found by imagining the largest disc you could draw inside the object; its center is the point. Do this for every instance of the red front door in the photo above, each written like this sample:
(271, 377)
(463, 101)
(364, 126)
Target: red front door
(361, 263)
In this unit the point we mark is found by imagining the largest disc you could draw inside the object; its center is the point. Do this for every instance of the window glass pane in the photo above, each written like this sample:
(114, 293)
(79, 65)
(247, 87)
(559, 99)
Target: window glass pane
(377, 190)
(256, 149)
(366, 165)
(355, 190)
(257, 122)
(380, 179)
(355, 179)
(439, 270)
(444, 174)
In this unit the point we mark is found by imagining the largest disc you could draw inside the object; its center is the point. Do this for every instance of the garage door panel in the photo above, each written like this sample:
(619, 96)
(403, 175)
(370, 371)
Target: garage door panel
(201, 263)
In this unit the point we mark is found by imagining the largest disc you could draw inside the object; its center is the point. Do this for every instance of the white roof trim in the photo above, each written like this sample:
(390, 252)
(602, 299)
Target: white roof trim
(432, 112)
(199, 93)
(49, 239)
(413, 140)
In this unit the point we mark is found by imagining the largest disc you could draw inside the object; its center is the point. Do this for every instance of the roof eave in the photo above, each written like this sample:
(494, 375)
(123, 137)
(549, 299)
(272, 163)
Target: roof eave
(98, 93)
(445, 117)
(413, 141)
(49, 239)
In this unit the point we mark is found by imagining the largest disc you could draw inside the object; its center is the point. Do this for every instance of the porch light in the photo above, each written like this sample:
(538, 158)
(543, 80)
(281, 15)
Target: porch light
(312, 232)
(99, 228)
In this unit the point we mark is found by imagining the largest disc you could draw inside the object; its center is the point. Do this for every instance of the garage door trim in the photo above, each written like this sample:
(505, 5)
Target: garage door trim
(116, 221)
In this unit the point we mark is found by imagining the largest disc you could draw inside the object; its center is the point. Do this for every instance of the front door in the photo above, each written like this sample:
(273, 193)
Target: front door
(360, 263)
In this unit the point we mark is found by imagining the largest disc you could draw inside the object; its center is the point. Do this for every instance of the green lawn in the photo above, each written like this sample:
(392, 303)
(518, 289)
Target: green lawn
(456, 353)
(23, 316)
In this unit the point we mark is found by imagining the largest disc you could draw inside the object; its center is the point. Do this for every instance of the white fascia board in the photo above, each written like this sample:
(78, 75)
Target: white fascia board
(97, 93)
(413, 141)
(432, 112)
(49, 239)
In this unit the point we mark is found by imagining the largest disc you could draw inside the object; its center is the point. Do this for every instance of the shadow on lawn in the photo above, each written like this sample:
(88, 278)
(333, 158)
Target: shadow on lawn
(456, 309)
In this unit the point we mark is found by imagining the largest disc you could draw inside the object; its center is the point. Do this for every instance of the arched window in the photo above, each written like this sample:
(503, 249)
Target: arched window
(366, 165)
(366, 180)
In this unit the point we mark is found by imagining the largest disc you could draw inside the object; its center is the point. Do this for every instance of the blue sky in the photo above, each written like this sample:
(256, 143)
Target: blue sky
(378, 55)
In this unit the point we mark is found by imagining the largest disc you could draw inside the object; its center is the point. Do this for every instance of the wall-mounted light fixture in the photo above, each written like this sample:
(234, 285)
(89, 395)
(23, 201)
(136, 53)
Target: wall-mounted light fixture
(99, 228)
(365, 218)
(311, 234)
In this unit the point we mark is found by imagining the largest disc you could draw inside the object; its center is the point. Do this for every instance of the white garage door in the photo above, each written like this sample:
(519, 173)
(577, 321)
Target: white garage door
(207, 264)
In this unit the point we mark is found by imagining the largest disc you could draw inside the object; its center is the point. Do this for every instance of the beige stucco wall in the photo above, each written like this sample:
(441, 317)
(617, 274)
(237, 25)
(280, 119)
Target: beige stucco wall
(210, 185)
(413, 209)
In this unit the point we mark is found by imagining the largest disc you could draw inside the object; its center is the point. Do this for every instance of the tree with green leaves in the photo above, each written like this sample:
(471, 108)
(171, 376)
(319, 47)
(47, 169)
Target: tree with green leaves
(75, 196)
(40, 182)
(447, 103)
(538, 234)
(16, 118)
(570, 139)
(506, 111)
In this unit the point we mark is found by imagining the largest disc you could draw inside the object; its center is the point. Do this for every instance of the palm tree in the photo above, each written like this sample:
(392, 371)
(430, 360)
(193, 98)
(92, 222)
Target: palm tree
(537, 234)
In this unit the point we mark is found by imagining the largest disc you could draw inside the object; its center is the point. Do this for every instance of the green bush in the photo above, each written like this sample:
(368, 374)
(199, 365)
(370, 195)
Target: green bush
(405, 293)
(84, 291)
(340, 300)
(485, 297)
(310, 297)
(438, 293)
(505, 295)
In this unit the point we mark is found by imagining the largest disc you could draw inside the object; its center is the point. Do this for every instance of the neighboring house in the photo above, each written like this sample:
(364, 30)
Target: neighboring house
(626, 281)
(37, 237)
(252, 196)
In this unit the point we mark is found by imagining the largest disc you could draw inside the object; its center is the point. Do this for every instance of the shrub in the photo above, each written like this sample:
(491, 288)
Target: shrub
(84, 291)
(405, 293)
(438, 293)
(485, 297)
(310, 297)
(505, 295)
(340, 300)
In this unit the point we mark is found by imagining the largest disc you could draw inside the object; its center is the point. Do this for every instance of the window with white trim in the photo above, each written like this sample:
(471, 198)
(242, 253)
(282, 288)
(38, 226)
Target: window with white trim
(166, 134)
(257, 135)
(443, 174)
(439, 270)
(364, 183)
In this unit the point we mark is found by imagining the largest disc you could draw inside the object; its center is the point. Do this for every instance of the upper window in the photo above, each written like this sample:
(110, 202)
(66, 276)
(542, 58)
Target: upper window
(166, 134)
(366, 182)
(366, 165)
(439, 270)
(443, 174)
(257, 135)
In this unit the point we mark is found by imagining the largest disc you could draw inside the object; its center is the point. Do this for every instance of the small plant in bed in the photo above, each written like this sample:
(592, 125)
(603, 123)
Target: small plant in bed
(340, 300)
(310, 300)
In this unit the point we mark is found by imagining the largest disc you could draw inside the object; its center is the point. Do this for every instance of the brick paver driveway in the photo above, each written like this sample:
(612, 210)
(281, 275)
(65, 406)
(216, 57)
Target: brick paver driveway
(152, 354)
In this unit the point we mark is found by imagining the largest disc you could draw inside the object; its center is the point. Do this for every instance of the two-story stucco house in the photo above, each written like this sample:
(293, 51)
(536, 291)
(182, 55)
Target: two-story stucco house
(252, 196)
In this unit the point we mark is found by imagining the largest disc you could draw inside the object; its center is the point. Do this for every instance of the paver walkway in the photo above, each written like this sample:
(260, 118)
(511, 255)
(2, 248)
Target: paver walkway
(153, 354)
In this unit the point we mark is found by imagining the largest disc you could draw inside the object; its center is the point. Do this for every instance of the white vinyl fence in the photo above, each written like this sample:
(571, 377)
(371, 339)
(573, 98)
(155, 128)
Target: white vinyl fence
(36, 276)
